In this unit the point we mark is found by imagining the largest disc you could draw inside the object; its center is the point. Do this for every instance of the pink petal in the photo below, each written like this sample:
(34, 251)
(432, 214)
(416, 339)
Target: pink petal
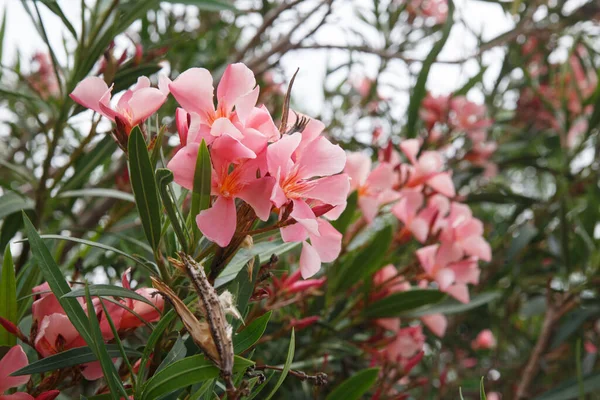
(18, 396)
(278, 196)
(369, 206)
(391, 324)
(218, 222)
(14, 360)
(304, 215)
(321, 158)
(226, 150)
(293, 233)
(279, 154)
(426, 256)
(460, 292)
(437, 323)
(382, 177)
(261, 120)
(478, 247)
(92, 371)
(144, 103)
(310, 263)
(223, 126)
(237, 81)
(358, 166)
(193, 89)
(89, 91)
(257, 196)
(408, 206)
(445, 277)
(245, 104)
(183, 165)
(330, 190)
(181, 120)
(442, 183)
(50, 328)
(329, 243)
(163, 84)
(410, 148)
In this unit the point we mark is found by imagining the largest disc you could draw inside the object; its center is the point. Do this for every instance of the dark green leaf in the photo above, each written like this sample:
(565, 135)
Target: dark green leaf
(111, 291)
(11, 225)
(570, 388)
(184, 373)
(525, 234)
(287, 366)
(368, 261)
(251, 334)
(55, 8)
(53, 275)
(470, 83)
(111, 376)
(396, 303)
(163, 178)
(356, 386)
(144, 188)
(8, 298)
(454, 307)
(70, 358)
(419, 91)
(177, 352)
(202, 184)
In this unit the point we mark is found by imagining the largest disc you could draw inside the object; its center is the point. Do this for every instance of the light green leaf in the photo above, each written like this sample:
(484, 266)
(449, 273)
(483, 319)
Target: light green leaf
(177, 352)
(8, 298)
(144, 188)
(396, 303)
(346, 218)
(98, 192)
(356, 386)
(452, 306)
(10, 202)
(110, 291)
(251, 334)
(163, 178)
(207, 5)
(287, 366)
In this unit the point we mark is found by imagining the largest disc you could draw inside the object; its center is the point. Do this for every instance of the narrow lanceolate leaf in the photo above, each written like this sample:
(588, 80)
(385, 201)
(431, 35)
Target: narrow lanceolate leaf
(98, 192)
(356, 386)
(184, 373)
(452, 306)
(177, 352)
(251, 334)
(344, 220)
(396, 303)
(70, 358)
(8, 298)
(144, 188)
(10, 202)
(108, 368)
(207, 5)
(368, 261)
(109, 291)
(202, 184)
(419, 90)
(287, 366)
(53, 275)
(163, 178)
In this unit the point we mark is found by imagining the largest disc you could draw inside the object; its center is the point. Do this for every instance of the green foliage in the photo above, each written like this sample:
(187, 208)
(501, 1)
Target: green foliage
(8, 298)
(356, 386)
(397, 303)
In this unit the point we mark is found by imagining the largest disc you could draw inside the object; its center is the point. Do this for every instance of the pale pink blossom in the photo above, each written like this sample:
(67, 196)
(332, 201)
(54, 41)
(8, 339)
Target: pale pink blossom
(485, 340)
(435, 10)
(465, 233)
(420, 221)
(13, 361)
(374, 186)
(407, 344)
(469, 117)
(133, 107)
(434, 109)
(307, 167)
(426, 169)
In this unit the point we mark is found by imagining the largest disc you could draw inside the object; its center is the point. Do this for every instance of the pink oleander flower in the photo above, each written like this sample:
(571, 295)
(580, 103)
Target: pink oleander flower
(306, 168)
(303, 323)
(445, 265)
(469, 117)
(421, 221)
(13, 361)
(43, 80)
(375, 187)
(434, 109)
(425, 169)
(407, 344)
(292, 284)
(436, 10)
(484, 340)
(133, 107)
(465, 233)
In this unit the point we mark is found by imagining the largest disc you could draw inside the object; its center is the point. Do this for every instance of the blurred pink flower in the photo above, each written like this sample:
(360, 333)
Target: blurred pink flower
(13, 361)
(484, 340)
(465, 233)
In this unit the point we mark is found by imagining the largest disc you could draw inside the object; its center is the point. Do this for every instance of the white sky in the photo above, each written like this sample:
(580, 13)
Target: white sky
(487, 19)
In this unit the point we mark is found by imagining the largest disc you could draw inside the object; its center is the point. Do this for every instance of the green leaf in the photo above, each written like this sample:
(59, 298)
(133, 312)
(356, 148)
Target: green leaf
(570, 389)
(525, 234)
(470, 83)
(144, 188)
(8, 298)
(184, 373)
(177, 352)
(356, 386)
(139, 260)
(345, 219)
(454, 307)
(419, 91)
(111, 376)
(70, 358)
(10, 202)
(287, 366)
(202, 185)
(55, 8)
(396, 303)
(11, 225)
(368, 261)
(163, 178)
(251, 334)
(207, 5)
(109, 291)
(482, 395)
(98, 192)
(53, 275)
